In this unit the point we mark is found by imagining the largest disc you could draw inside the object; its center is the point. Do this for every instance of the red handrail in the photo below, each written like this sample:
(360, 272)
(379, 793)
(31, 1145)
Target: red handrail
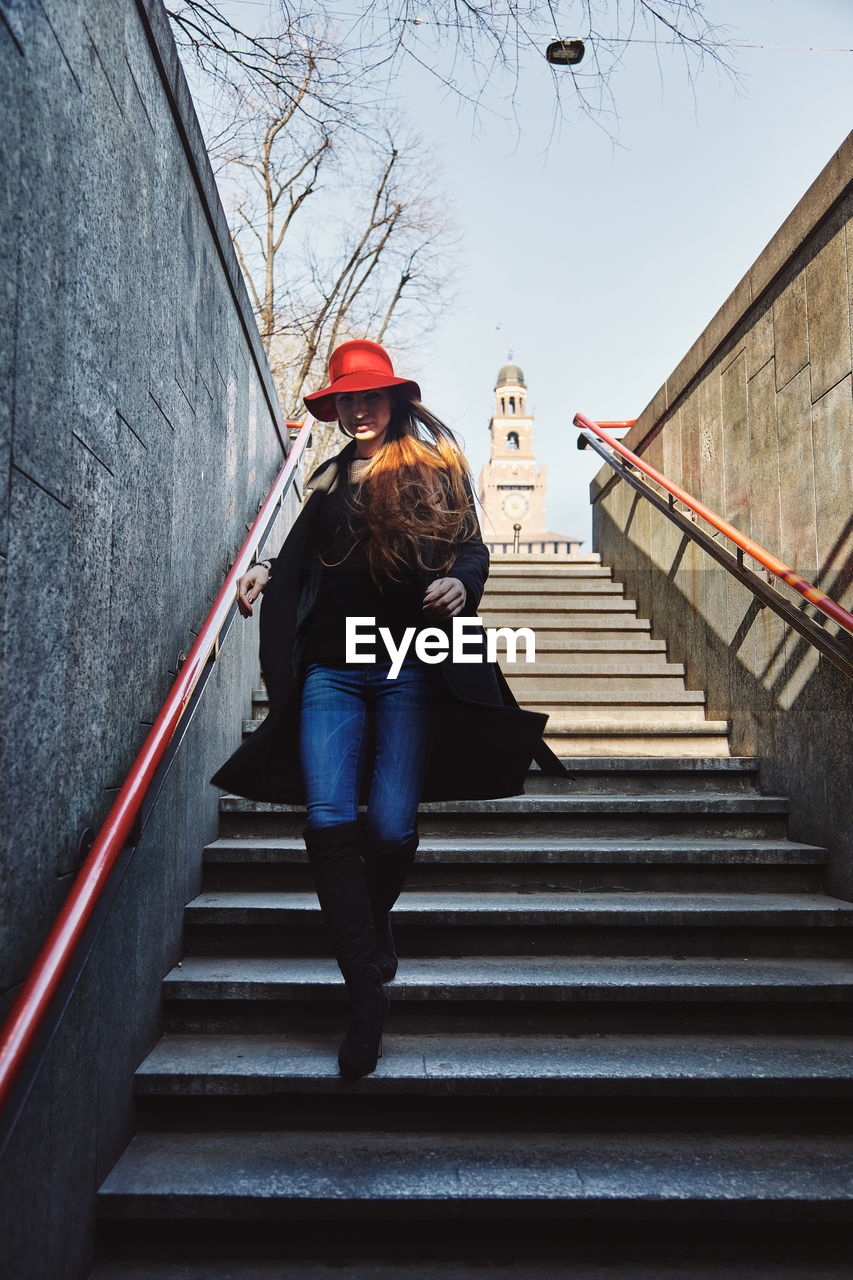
(33, 1001)
(813, 594)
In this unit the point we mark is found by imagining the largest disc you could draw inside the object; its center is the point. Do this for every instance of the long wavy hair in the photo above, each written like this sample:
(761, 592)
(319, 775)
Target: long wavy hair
(413, 505)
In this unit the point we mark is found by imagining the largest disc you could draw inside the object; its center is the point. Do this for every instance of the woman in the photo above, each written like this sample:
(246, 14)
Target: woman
(388, 533)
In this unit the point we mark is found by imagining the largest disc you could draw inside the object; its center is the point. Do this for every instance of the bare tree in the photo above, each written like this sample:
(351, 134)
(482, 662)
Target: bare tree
(474, 49)
(271, 166)
(297, 127)
(335, 221)
(384, 269)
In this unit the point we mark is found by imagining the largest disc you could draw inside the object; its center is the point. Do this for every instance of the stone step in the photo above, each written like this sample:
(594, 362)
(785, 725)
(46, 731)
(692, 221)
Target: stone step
(629, 775)
(568, 910)
(675, 1262)
(536, 817)
(616, 645)
(580, 626)
(510, 923)
(541, 612)
(585, 714)
(607, 597)
(594, 675)
(539, 561)
(549, 585)
(554, 697)
(248, 850)
(569, 805)
(524, 677)
(678, 705)
(549, 570)
(506, 980)
(516, 1066)
(280, 862)
(262, 1175)
(653, 737)
(634, 718)
(641, 775)
(608, 702)
(522, 596)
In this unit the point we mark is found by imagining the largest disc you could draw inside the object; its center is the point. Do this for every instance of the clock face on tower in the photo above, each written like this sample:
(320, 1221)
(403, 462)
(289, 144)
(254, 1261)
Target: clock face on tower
(515, 506)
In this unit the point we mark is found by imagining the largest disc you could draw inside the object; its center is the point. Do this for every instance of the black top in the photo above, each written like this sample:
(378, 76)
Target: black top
(347, 589)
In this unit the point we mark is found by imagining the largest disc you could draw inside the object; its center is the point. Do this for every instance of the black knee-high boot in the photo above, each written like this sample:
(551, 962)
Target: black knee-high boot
(387, 870)
(339, 875)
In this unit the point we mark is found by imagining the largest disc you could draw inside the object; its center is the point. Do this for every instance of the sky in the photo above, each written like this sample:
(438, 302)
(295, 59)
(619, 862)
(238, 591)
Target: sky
(599, 255)
(599, 265)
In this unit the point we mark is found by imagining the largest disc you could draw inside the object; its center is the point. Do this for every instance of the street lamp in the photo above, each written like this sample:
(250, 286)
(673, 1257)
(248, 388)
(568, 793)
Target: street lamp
(565, 53)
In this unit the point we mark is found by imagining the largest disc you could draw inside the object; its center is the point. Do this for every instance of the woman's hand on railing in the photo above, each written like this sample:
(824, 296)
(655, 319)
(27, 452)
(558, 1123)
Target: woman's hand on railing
(250, 586)
(445, 598)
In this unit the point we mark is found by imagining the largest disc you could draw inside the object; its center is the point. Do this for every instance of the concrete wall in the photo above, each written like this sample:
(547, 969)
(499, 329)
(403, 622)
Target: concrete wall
(139, 431)
(757, 422)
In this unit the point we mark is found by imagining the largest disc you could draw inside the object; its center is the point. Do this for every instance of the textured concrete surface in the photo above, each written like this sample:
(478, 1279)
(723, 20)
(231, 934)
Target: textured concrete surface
(287, 1174)
(138, 431)
(522, 1099)
(757, 422)
(513, 978)
(440, 1269)
(567, 910)
(529, 1064)
(730, 852)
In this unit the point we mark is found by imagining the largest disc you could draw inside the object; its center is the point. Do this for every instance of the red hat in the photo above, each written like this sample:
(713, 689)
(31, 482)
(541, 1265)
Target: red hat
(357, 366)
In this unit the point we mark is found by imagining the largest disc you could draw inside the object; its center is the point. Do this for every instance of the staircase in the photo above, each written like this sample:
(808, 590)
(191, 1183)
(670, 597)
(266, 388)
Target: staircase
(619, 1042)
(604, 682)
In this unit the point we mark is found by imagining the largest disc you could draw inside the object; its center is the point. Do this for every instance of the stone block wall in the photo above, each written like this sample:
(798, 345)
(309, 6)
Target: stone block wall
(757, 422)
(139, 432)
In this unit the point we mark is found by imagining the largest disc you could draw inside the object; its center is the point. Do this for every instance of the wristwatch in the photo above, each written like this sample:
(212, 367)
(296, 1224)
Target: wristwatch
(267, 565)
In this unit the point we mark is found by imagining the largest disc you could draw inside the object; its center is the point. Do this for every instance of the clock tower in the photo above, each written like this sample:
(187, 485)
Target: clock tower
(512, 486)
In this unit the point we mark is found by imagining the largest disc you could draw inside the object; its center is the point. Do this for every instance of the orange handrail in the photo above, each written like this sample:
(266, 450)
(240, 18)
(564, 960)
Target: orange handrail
(770, 562)
(45, 978)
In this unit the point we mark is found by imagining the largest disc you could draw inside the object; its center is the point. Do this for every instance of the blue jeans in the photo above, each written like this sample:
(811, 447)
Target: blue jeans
(345, 711)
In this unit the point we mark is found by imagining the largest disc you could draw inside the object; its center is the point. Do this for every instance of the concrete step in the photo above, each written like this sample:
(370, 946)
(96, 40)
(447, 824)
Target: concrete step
(620, 640)
(585, 714)
(613, 649)
(591, 625)
(564, 677)
(280, 862)
(512, 923)
(549, 570)
(536, 817)
(568, 910)
(612, 718)
(262, 1175)
(471, 1065)
(541, 612)
(361, 1264)
(538, 561)
(572, 703)
(580, 647)
(483, 980)
(547, 585)
(609, 702)
(607, 597)
(521, 596)
(598, 674)
(630, 775)
(654, 737)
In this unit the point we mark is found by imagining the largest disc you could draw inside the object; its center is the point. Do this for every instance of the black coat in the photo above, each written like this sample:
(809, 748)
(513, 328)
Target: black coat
(484, 741)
